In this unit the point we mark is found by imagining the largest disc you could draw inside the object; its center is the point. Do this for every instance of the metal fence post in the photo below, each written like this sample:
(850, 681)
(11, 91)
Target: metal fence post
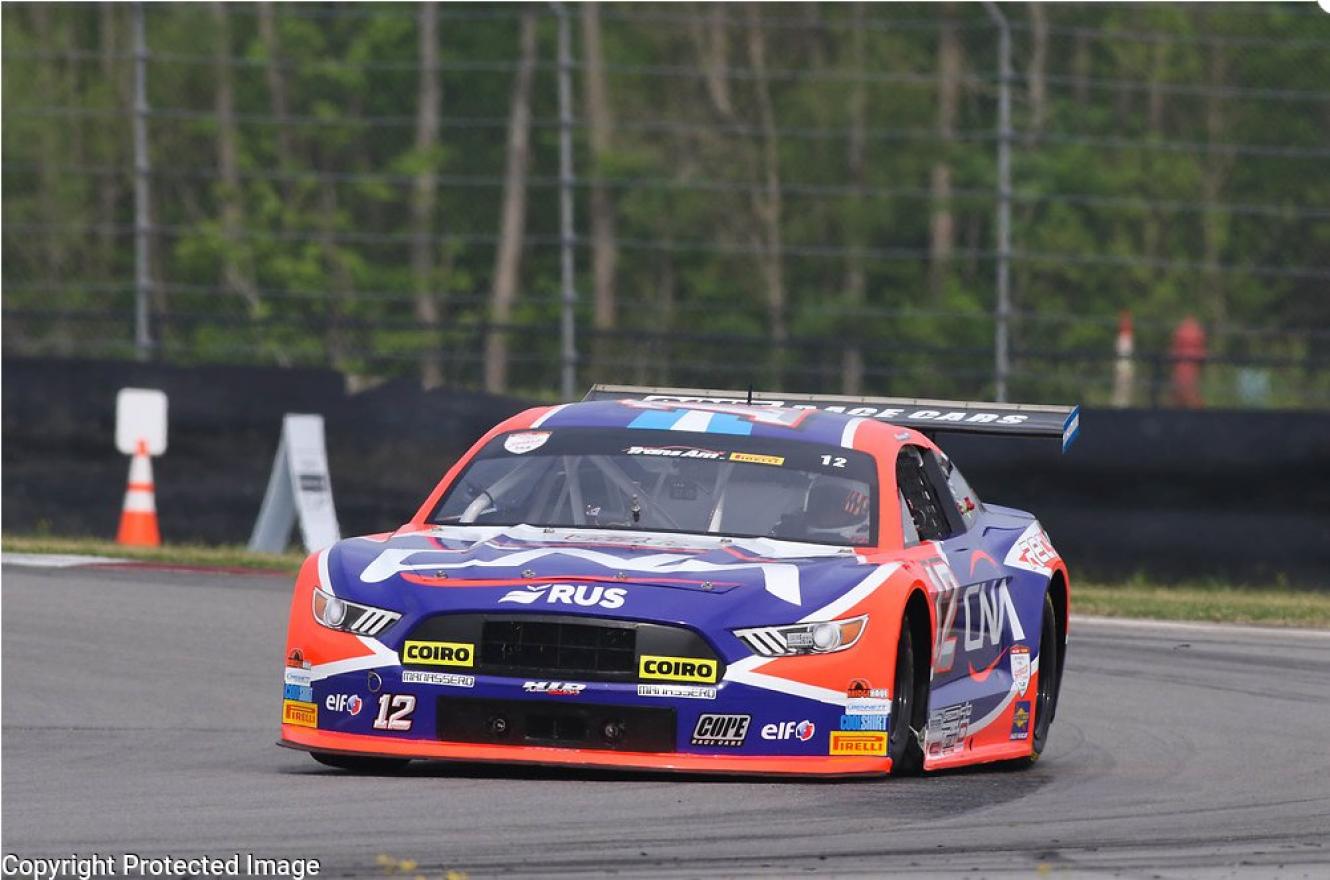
(1001, 356)
(567, 235)
(142, 171)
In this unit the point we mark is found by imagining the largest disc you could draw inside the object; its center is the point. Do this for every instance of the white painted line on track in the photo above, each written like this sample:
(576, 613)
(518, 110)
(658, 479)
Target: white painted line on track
(56, 560)
(1195, 626)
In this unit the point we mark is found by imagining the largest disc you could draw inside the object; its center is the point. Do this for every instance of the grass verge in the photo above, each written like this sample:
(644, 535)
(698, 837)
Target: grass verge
(173, 554)
(1217, 603)
(1274, 605)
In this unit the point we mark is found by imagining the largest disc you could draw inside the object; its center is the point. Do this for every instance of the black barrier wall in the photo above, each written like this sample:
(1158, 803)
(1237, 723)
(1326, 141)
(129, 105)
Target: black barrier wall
(1176, 495)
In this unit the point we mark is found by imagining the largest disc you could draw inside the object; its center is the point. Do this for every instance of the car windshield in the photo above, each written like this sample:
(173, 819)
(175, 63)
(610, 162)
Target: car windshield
(732, 485)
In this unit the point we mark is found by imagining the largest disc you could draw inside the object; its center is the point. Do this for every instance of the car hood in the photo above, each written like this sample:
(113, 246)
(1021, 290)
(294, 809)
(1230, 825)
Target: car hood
(695, 579)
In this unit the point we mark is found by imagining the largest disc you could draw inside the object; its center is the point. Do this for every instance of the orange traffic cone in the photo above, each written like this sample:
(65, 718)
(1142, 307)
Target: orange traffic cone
(138, 516)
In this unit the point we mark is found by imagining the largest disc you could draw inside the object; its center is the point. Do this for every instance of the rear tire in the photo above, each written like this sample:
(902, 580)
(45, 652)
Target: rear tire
(909, 707)
(1050, 674)
(360, 763)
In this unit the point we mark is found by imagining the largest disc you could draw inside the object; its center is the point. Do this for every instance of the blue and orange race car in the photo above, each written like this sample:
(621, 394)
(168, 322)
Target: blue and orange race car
(693, 580)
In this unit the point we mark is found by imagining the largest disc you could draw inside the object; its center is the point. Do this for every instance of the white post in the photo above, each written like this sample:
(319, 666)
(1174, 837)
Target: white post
(142, 172)
(1001, 356)
(567, 234)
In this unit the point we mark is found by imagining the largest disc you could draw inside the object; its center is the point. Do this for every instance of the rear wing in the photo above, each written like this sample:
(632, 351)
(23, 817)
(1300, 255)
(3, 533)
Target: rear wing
(927, 416)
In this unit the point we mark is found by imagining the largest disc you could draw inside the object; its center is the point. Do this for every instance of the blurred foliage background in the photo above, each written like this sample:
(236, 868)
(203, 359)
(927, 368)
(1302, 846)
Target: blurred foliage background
(797, 195)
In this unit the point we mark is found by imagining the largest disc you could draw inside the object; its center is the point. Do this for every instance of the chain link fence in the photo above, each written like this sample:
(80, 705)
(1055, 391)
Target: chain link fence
(794, 196)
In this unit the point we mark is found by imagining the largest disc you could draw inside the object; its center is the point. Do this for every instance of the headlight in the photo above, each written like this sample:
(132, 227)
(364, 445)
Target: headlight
(337, 613)
(818, 637)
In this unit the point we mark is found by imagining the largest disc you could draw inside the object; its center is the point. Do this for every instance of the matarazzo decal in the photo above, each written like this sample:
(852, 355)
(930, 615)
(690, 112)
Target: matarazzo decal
(1032, 551)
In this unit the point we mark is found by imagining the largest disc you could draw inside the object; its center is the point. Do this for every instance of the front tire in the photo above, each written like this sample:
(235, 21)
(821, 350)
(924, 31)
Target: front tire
(359, 763)
(909, 706)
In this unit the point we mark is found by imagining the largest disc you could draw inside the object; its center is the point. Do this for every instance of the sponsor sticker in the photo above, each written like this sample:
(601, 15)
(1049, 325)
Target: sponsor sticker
(1032, 551)
(681, 691)
(862, 688)
(754, 458)
(1020, 668)
(553, 688)
(800, 730)
(677, 668)
(527, 441)
(296, 659)
(349, 703)
(721, 730)
(300, 713)
(300, 677)
(947, 729)
(584, 595)
(444, 679)
(439, 653)
(863, 722)
(861, 744)
(867, 706)
(1020, 720)
(301, 692)
(676, 452)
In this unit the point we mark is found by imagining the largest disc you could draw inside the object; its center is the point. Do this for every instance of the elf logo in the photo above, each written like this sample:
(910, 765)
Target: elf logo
(344, 703)
(584, 595)
(800, 730)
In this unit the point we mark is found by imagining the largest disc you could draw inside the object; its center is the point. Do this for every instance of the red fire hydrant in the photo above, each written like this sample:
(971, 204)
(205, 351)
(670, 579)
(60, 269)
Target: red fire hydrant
(1188, 353)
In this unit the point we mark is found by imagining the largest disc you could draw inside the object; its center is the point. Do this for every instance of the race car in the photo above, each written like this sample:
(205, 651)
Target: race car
(693, 580)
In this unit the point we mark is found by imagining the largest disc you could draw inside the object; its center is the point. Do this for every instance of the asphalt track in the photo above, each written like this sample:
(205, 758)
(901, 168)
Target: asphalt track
(140, 709)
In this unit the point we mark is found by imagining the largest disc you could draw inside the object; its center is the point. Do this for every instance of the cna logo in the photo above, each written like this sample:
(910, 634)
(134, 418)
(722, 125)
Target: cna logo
(584, 595)
(349, 703)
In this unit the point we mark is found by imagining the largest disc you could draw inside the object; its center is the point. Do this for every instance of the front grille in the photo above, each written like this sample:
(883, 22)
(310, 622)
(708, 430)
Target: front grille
(564, 647)
(571, 725)
(582, 650)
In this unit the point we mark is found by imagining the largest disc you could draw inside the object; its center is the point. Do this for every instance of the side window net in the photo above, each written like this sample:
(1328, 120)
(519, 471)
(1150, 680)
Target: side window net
(930, 520)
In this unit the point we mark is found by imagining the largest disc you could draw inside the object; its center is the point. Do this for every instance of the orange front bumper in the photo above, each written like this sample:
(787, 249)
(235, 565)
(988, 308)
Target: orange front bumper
(303, 738)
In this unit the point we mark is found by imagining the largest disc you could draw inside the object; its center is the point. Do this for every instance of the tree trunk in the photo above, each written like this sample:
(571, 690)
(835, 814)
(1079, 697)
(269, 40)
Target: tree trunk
(109, 185)
(942, 229)
(604, 252)
(852, 361)
(340, 294)
(767, 201)
(512, 225)
(1215, 170)
(235, 276)
(1036, 73)
(276, 80)
(712, 43)
(424, 196)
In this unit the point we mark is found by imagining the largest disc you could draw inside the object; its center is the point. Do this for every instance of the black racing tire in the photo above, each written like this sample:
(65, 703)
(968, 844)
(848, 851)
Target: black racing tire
(360, 763)
(1050, 674)
(909, 707)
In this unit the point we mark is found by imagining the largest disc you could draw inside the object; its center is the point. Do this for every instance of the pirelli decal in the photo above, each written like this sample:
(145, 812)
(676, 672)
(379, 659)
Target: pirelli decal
(300, 713)
(864, 743)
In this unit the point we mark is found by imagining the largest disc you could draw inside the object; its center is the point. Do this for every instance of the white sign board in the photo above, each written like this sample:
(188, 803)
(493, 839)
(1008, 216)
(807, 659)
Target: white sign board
(299, 488)
(140, 414)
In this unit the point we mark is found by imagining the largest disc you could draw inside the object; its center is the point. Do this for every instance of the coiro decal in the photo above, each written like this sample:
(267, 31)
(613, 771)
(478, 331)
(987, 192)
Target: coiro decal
(677, 668)
(439, 653)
